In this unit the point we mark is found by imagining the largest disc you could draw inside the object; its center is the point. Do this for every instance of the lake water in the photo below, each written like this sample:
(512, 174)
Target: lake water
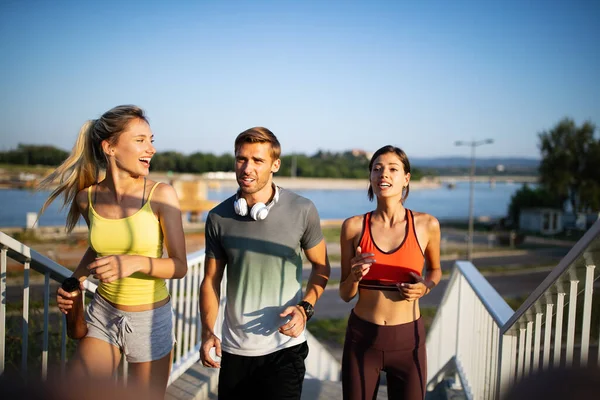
(442, 203)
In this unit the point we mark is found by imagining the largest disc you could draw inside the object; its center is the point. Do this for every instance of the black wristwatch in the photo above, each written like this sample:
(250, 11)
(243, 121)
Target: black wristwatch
(308, 309)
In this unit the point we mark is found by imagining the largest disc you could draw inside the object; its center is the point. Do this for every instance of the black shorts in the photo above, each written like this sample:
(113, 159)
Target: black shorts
(276, 376)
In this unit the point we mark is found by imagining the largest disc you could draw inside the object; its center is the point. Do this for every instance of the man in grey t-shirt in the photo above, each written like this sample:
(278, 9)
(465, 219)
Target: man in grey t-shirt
(257, 237)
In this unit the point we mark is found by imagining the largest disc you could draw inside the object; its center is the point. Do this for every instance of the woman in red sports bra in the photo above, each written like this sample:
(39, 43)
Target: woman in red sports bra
(383, 256)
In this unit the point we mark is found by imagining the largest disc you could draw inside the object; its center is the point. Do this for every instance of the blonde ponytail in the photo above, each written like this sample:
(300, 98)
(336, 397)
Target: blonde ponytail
(77, 172)
(82, 168)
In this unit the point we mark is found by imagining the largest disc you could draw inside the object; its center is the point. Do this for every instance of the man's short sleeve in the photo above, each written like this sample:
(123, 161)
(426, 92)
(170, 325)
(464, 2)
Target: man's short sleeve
(312, 233)
(214, 249)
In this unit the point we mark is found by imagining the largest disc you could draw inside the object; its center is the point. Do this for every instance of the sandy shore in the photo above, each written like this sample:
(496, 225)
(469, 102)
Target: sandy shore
(335, 184)
(227, 181)
(295, 183)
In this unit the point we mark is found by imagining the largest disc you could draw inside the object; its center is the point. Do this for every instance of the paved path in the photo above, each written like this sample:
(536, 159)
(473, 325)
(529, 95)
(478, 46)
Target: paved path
(199, 383)
(314, 389)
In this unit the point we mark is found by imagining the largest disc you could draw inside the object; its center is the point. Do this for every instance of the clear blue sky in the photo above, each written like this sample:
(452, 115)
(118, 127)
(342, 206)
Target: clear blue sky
(330, 75)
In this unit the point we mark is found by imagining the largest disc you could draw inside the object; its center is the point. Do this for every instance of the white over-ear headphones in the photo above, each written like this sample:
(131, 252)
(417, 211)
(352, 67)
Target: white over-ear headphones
(259, 211)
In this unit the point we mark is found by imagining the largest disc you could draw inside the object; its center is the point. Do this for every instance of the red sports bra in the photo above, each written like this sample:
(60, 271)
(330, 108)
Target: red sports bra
(394, 266)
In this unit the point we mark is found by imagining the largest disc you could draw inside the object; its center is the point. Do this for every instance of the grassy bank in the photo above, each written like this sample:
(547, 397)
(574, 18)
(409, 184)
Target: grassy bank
(14, 338)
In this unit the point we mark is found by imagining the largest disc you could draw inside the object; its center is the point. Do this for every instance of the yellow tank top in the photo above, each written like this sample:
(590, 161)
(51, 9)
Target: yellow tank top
(139, 234)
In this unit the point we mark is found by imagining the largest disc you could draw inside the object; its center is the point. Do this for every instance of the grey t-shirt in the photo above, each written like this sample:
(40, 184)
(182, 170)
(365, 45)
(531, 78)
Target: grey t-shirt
(264, 269)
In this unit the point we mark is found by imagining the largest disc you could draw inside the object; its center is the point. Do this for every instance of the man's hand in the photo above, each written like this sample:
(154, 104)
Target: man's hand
(211, 341)
(294, 326)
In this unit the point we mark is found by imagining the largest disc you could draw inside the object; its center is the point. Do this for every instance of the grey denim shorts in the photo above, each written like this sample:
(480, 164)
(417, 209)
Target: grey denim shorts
(141, 336)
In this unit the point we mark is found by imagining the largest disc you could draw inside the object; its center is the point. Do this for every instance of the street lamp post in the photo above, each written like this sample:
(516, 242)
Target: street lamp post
(473, 144)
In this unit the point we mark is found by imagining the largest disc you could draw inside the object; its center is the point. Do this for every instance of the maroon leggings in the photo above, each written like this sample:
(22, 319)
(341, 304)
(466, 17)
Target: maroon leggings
(399, 350)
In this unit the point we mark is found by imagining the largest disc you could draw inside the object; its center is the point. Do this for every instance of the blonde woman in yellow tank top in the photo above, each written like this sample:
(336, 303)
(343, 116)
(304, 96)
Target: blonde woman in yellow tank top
(129, 219)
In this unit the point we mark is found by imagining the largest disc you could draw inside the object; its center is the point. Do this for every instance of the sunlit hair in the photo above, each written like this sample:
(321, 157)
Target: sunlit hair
(82, 168)
(405, 164)
(259, 134)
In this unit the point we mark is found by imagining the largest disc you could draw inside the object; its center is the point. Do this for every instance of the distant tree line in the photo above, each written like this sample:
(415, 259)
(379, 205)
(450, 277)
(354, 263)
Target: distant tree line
(320, 165)
(26, 154)
(480, 171)
(569, 171)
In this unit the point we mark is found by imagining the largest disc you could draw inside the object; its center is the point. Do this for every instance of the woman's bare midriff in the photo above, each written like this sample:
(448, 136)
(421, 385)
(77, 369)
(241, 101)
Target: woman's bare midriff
(138, 307)
(386, 307)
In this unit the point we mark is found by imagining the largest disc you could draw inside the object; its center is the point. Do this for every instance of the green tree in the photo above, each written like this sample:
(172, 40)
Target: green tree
(166, 161)
(225, 162)
(527, 197)
(26, 154)
(570, 159)
(590, 190)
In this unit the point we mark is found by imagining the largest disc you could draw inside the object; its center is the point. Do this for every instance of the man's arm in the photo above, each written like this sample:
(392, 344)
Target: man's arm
(317, 255)
(319, 274)
(210, 295)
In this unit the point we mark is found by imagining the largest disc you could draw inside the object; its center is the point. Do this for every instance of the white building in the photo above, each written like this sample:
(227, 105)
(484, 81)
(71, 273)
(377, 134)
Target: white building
(546, 221)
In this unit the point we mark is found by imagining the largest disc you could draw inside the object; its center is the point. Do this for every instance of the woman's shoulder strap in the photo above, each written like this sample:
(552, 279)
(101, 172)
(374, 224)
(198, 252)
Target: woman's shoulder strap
(152, 190)
(366, 226)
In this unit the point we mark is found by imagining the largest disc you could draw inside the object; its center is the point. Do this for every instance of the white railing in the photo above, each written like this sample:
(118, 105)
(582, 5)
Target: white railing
(51, 271)
(184, 296)
(466, 328)
(490, 347)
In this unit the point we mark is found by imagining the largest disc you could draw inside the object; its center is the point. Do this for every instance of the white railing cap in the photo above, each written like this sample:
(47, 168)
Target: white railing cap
(195, 257)
(490, 298)
(42, 264)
